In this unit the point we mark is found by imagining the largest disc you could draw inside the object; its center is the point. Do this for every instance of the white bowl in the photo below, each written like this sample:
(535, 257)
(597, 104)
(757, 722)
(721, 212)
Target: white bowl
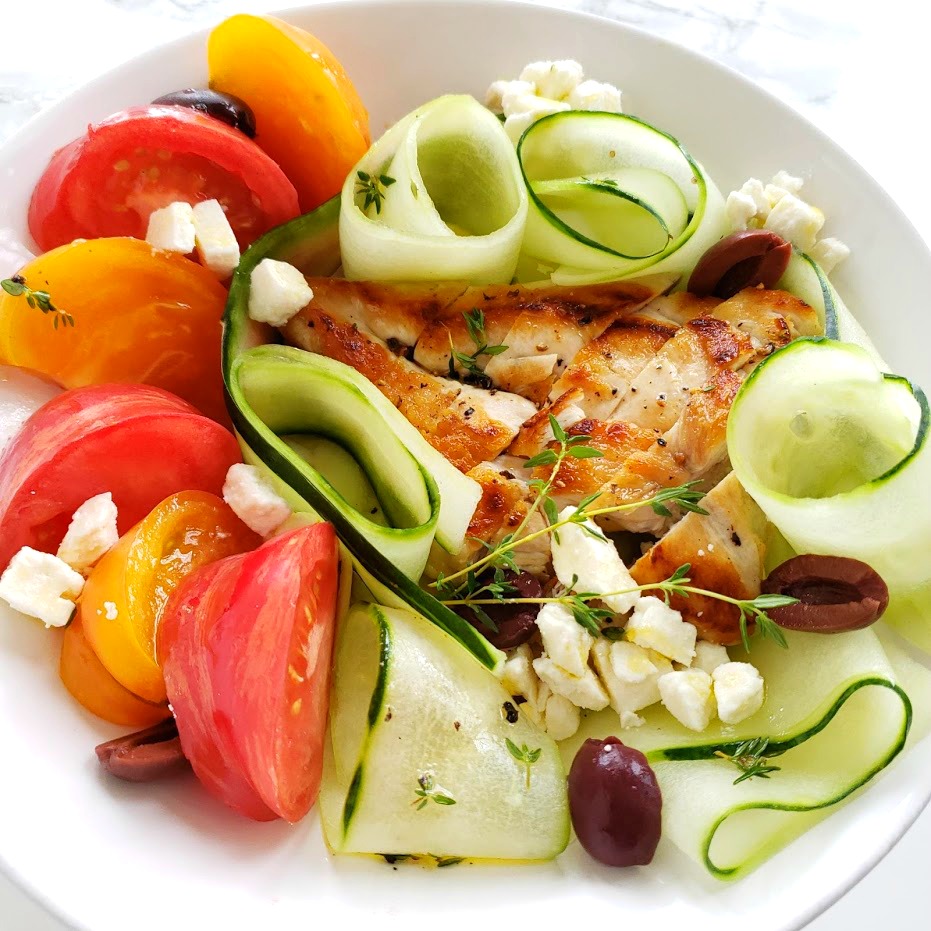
(107, 856)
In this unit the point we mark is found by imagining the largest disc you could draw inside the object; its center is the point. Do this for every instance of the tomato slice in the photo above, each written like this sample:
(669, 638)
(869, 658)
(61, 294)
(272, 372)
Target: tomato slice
(245, 645)
(139, 443)
(140, 316)
(87, 679)
(127, 590)
(309, 116)
(108, 182)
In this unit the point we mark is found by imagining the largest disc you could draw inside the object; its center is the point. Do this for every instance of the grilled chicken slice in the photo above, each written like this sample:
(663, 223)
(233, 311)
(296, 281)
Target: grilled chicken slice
(467, 425)
(542, 326)
(726, 552)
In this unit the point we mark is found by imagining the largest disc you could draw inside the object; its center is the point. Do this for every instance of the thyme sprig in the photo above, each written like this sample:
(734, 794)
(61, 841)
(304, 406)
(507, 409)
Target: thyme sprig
(373, 189)
(501, 555)
(676, 584)
(430, 791)
(39, 300)
(475, 323)
(751, 759)
(524, 755)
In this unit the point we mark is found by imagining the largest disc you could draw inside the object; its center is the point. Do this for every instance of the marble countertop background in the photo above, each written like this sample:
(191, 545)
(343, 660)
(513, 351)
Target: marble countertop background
(856, 69)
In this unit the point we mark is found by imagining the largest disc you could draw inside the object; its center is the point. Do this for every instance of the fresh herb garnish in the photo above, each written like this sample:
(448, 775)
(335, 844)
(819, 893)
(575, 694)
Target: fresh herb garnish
(524, 755)
(373, 189)
(475, 323)
(751, 759)
(429, 791)
(682, 496)
(40, 300)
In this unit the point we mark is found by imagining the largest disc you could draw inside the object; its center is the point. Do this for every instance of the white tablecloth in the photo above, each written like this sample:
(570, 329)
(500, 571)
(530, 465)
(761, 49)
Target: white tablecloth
(858, 70)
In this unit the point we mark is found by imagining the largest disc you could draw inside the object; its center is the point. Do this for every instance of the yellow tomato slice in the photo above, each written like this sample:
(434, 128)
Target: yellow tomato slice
(126, 592)
(140, 315)
(87, 679)
(309, 116)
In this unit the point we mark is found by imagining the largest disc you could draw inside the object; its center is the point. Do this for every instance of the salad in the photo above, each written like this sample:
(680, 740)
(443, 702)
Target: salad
(494, 482)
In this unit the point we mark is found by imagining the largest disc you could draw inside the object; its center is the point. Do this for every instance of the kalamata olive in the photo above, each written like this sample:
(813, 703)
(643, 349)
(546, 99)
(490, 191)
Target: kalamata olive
(741, 260)
(516, 623)
(145, 755)
(615, 803)
(835, 594)
(231, 110)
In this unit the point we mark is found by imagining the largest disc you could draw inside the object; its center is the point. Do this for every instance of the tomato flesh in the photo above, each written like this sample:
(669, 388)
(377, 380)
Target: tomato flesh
(137, 442)
(108, 182)
(246, 645)
(127, 590)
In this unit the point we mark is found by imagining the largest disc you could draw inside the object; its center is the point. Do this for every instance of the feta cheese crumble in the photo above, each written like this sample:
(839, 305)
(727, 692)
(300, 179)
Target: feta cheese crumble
(708, 656)
(277, 291)
(738, 690)
(628, 697)
(214, 239)
(687, 696)
(42, 586)
(566, 642)
(658, 627)
(546, 87)
(91, 533)
(254, 500)
(172, 228)
(779, 207)
(583, 691)
(561, 718)
(584, 554)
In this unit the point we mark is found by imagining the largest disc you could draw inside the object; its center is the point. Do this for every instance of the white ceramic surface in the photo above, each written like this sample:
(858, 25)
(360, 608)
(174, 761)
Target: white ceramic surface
(97, 853)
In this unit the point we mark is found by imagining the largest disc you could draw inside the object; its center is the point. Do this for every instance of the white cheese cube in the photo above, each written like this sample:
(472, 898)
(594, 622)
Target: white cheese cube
(172, 228)
(565, 640)
(214, 238)
(658, 627)
(753, 188)
(529, 103)
(277, 292)
(631, 663)
(92, 533)
(738, 690)
(562, 717)
(553, 79)
(517, 124)
(596, 95)
(708, 656)
(631, 719)
(584, 691)
(253, 499)
(627, 696)
(740, 209)
(796, 221)
(688, 697)
(829, 253)
(584, 552)
(41, 585)
(518, 676)
(494, 96)
(786, 183)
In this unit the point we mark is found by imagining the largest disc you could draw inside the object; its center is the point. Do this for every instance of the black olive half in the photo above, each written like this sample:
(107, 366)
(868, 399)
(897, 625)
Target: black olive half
(225, 107)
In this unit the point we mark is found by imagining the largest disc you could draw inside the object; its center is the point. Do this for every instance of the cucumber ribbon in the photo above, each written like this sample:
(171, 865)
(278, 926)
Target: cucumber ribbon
(287, 404)
(438, 198)
(612, 197)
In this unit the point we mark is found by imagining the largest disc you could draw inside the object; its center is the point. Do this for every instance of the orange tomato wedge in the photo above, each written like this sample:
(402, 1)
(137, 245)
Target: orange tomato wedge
(140, 316)
(126, 592)
(87, 679)
(309, 116)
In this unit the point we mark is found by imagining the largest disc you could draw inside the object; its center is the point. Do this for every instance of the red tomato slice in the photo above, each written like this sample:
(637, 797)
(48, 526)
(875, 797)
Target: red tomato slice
(245, 645)
(140, 443)
(108, 182)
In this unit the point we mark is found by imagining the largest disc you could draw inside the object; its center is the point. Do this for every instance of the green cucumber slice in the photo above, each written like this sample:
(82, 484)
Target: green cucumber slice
(836, 454)
(819, 692)
(452, 206)
(570, 159)
(805, 278)
(409, 704)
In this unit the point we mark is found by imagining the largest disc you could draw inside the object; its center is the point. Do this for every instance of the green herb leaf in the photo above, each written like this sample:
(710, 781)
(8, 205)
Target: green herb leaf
(585, 452)
(544, 458)
(557, 429)
(524, 755)
(372, 189)
(751, 759)
(37, 300)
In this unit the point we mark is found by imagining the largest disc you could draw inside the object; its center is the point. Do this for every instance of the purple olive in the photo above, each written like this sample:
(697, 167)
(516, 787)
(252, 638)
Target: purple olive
(224, 107)
(741, 260)
(615, 803)
(146, 755)
(835, 594)
(516, 623)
